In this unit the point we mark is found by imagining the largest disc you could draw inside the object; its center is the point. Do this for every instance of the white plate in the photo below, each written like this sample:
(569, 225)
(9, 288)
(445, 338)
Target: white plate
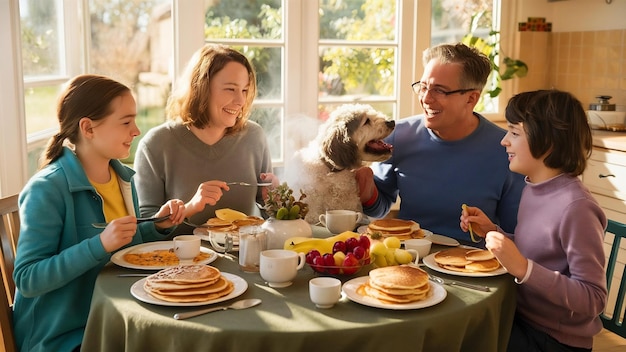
(430, 262)
(442, 240)
(361, 229)
(437, 294)
(118, 257)
(138, 292)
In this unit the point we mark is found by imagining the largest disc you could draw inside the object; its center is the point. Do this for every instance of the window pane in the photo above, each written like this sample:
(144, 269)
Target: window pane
(251, 19)
(355, 72)
(40, 106)
(452, 20)
(131, 41)
(271, 121)
(267, 63)
(41, 41)
(358, 19)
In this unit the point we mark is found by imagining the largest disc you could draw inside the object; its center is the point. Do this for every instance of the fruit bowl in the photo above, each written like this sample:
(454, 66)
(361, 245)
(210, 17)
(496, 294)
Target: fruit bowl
(344, 270)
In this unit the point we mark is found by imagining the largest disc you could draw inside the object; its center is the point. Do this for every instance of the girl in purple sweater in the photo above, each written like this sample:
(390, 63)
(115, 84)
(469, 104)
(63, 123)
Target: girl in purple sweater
(556, 253)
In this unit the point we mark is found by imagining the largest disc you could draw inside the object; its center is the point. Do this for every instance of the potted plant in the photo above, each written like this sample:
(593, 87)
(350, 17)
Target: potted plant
(286, 216)
(490, 47)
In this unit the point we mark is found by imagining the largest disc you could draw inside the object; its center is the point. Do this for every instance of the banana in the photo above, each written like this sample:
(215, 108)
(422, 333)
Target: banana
(342, 236)
(230, 214)
(323, 245)
(304, 246)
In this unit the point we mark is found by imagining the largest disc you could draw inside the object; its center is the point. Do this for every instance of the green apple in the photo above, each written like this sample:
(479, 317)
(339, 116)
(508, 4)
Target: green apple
(339, 257)
(378, 249)
(390, 256)
(392, 242)
(403, 257)
(380, 261)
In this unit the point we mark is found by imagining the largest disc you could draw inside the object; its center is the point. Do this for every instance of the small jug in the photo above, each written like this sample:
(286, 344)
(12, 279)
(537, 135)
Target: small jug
(251, 244)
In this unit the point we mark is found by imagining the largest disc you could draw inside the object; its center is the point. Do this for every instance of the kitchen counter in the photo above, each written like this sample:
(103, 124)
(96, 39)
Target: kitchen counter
(609, 140)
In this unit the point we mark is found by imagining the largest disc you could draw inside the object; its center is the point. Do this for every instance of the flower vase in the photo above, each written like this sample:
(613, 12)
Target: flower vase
(278, 231)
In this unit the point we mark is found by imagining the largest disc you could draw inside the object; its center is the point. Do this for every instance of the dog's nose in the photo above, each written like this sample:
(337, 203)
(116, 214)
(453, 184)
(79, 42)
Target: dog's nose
(390, 123)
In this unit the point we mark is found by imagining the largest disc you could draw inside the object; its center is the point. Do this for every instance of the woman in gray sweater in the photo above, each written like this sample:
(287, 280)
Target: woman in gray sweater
(206, 142)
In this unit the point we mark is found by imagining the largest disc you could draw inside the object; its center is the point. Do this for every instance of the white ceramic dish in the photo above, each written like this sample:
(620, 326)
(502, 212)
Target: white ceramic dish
(437, 294)
(118, 257)
(140, 293)
(430, 262)
(442, 240)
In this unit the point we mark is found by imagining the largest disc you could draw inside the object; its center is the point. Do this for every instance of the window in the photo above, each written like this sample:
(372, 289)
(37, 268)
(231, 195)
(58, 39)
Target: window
(310, 56)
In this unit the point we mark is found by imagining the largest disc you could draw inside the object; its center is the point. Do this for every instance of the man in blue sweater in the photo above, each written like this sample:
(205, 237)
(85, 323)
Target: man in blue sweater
(447, 156)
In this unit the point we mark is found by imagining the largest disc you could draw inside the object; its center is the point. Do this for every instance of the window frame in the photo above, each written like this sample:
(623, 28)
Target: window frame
(413, 37)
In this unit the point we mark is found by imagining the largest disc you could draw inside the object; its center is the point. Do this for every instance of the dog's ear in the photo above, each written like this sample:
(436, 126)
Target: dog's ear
(338, 148)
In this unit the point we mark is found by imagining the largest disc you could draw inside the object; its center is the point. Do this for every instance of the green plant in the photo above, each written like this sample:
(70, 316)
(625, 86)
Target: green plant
(490, 47)
(281, 204)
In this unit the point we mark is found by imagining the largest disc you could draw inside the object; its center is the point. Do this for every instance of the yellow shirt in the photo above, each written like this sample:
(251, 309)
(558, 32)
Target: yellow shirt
(111, 196)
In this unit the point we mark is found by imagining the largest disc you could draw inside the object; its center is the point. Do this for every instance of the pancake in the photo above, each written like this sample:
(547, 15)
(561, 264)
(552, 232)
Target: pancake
(249, 221)
(483, 265)
(454, 257)
(401, 292)
(217, 222)
(403, 277)
(158, 257)
(391, 225)
(467, 260)
(479, 254)
(402, 229)
(367, 290)
(185, 290)
(195, 297)
(185, 274)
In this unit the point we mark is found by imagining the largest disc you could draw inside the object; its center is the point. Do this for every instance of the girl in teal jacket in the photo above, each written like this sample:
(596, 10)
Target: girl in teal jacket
(59, 253)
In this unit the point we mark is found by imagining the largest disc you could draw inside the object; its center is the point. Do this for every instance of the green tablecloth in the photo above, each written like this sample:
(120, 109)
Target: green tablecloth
(466, 320)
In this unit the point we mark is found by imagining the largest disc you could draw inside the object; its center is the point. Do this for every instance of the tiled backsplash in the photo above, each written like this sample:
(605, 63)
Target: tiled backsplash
(586, 64)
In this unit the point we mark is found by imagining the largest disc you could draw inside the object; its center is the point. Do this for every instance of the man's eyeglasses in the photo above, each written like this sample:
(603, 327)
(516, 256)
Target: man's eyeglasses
(420, 89)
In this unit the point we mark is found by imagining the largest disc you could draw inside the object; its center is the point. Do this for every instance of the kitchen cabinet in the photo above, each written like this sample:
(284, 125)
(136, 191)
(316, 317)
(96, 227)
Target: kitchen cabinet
(605, 177)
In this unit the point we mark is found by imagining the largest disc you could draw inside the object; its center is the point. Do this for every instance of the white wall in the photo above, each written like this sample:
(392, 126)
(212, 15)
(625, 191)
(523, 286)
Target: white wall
(576, 15)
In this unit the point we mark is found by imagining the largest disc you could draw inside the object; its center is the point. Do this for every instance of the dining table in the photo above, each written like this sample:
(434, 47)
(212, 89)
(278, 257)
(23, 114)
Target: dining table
(287, 320)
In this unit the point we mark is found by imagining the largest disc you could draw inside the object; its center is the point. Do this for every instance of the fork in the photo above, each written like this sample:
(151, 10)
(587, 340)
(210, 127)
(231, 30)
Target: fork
(202, 226)
(441, 281)
(259, 184)
(101, 225)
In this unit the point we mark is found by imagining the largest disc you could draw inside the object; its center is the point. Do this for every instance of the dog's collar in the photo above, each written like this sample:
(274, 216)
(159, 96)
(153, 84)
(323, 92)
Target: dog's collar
(330, 166)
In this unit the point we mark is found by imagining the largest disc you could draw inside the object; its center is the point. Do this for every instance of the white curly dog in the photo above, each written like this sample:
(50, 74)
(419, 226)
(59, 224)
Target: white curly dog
(323, 170)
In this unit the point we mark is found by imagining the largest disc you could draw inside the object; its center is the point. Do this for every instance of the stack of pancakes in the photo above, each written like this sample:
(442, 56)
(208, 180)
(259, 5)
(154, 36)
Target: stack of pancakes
(232, 227)
(403, 229)
(467, 260)
(396, 284)
(188, 283)
(220, 225)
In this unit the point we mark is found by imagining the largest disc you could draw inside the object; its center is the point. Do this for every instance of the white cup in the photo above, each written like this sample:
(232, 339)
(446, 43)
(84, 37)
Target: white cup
(338, 221)
(279, 267)
(324, 291)
(186, 247)
(422, 246)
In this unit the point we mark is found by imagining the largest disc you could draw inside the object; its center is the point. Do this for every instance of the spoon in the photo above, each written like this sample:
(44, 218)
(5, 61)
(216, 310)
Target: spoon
(242, 304)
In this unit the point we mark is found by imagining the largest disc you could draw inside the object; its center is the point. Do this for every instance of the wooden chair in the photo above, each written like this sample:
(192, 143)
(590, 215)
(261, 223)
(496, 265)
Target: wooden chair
(7, 338)
(614, 321)
(9, 232)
